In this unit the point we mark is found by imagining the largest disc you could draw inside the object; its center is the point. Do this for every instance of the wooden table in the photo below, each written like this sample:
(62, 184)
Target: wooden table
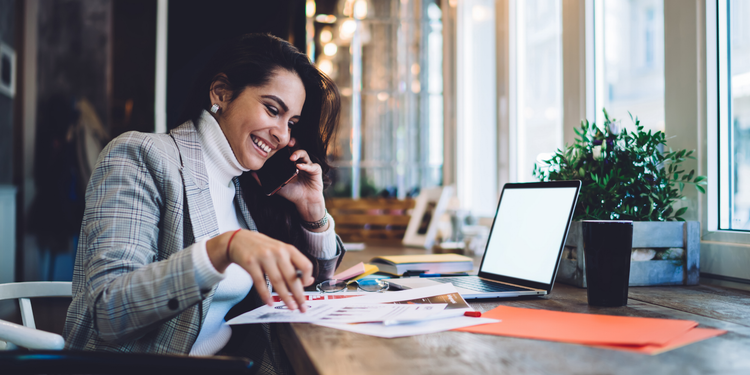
(319, 350)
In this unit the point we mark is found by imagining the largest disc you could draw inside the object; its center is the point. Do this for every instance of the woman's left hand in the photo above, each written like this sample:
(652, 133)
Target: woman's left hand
(306, 190)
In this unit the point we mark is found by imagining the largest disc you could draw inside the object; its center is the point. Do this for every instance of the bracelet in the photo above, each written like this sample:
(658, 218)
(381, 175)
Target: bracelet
(310, 225)
(230, 243)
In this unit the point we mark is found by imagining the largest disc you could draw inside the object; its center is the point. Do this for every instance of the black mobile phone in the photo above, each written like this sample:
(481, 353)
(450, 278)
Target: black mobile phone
(277, 172)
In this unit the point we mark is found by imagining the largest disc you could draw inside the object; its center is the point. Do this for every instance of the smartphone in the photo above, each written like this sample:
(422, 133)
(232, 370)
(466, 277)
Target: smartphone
(277, 172)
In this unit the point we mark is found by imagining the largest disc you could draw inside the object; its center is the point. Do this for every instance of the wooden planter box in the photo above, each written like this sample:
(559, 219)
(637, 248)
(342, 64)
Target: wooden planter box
(646, 234)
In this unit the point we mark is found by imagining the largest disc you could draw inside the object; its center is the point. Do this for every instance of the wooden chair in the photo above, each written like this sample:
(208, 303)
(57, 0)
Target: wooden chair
(371, 220)
(27, 350)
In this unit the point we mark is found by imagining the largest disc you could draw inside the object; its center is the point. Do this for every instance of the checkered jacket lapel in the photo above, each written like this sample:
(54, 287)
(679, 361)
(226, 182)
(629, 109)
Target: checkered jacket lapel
(195, 178)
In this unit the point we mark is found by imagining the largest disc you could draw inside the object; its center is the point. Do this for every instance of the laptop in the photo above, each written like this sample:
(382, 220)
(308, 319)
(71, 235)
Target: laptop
(524, 246)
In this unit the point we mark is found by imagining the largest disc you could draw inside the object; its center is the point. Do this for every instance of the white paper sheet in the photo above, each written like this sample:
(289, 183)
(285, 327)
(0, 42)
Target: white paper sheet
(442, 292)
(404, 305)
(318, 296)
(329, 312)
(429, 326)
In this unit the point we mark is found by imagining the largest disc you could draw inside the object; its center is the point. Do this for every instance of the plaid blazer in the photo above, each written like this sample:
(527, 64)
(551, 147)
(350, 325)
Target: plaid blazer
(134, 288)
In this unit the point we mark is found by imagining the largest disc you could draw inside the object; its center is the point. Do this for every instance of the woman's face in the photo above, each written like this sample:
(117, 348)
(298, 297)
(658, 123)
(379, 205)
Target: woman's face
(259, 121)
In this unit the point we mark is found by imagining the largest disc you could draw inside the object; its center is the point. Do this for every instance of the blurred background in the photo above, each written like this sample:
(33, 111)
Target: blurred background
(462, 93)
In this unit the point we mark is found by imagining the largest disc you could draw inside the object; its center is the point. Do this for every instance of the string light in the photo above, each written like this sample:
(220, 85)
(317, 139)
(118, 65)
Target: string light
(325, 18)
(360, 9)
(310, 8)
(347, 29)
(325, 36)
(330, 49)
(326, 66)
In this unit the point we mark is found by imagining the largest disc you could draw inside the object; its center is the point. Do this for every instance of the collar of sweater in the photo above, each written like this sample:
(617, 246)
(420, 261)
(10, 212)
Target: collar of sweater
(221, 163)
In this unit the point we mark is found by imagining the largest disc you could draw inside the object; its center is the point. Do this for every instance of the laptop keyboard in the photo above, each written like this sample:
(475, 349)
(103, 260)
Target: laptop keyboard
(480, 285)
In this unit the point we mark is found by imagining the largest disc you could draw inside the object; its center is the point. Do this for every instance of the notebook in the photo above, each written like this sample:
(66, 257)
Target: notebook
(430, 263)
(524, 246)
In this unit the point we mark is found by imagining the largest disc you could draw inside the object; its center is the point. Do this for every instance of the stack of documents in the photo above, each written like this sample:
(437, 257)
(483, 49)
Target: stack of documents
(640, 335)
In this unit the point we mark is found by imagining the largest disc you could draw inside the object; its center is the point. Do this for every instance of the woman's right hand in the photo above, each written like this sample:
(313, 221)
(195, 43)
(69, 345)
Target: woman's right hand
(261, 255)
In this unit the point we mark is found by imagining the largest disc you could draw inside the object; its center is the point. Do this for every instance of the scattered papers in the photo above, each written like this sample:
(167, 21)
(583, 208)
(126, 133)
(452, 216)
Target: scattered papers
(419, 305)
(340, 311)
(402, 330)
(439, 294)
(318, 296)
(641, 335)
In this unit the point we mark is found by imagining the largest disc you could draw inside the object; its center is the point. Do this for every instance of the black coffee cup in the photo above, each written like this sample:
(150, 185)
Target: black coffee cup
(607, 245)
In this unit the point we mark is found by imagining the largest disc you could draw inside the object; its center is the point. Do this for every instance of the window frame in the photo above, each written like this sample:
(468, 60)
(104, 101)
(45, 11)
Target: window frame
(723, 252)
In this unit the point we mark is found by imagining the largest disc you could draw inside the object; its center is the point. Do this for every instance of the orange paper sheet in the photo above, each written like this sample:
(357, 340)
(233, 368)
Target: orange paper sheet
(687, 338)
(577, 328)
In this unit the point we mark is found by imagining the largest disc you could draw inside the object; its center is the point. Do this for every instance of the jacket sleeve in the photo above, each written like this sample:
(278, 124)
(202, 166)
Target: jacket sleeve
(324, 269)
(135, 274)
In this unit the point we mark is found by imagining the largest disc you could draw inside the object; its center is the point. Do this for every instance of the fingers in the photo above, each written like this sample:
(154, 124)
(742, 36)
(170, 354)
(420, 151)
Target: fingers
(301, 156)
(261, 255)
(305, 164)
(303, 264)
(259, 280)
(290, 285)
(310, 168)
(281, 286)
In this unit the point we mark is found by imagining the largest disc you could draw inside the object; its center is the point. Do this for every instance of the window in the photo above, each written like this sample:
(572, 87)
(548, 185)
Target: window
(476, 128)
(433, 126)
(630, 61)
(734, 93)
(538, 91)
(386, 58)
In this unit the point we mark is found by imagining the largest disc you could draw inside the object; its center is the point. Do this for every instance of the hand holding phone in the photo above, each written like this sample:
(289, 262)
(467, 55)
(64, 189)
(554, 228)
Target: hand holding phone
(277, 172)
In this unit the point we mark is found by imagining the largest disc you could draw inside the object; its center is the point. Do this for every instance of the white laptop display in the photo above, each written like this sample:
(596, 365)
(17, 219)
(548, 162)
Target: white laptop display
(525, 243)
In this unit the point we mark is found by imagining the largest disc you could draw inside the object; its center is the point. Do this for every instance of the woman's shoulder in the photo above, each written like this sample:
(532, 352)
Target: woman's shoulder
(144, 147)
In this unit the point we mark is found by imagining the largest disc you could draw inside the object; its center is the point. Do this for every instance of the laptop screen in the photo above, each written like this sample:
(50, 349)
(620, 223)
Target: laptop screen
(528, 231)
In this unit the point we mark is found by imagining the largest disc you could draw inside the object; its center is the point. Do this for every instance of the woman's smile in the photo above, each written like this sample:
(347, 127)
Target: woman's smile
(259, 120)
(261, 145)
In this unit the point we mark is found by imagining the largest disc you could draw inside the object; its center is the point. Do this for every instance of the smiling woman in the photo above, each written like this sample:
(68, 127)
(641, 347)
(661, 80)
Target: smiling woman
(259, 121)
(177, 230)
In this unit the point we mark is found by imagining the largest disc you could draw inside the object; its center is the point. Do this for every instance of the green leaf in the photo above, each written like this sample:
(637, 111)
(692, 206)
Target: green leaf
(681, 211)
(638, 181)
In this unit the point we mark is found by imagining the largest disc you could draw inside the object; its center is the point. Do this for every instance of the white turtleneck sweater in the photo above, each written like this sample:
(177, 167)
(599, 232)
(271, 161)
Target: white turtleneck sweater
(235, 282)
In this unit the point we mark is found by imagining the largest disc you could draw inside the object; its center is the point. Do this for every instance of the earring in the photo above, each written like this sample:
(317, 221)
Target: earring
(214, 108)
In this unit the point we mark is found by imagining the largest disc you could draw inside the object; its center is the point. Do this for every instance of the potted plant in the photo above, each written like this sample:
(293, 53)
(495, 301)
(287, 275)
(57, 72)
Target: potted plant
(630, 175)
